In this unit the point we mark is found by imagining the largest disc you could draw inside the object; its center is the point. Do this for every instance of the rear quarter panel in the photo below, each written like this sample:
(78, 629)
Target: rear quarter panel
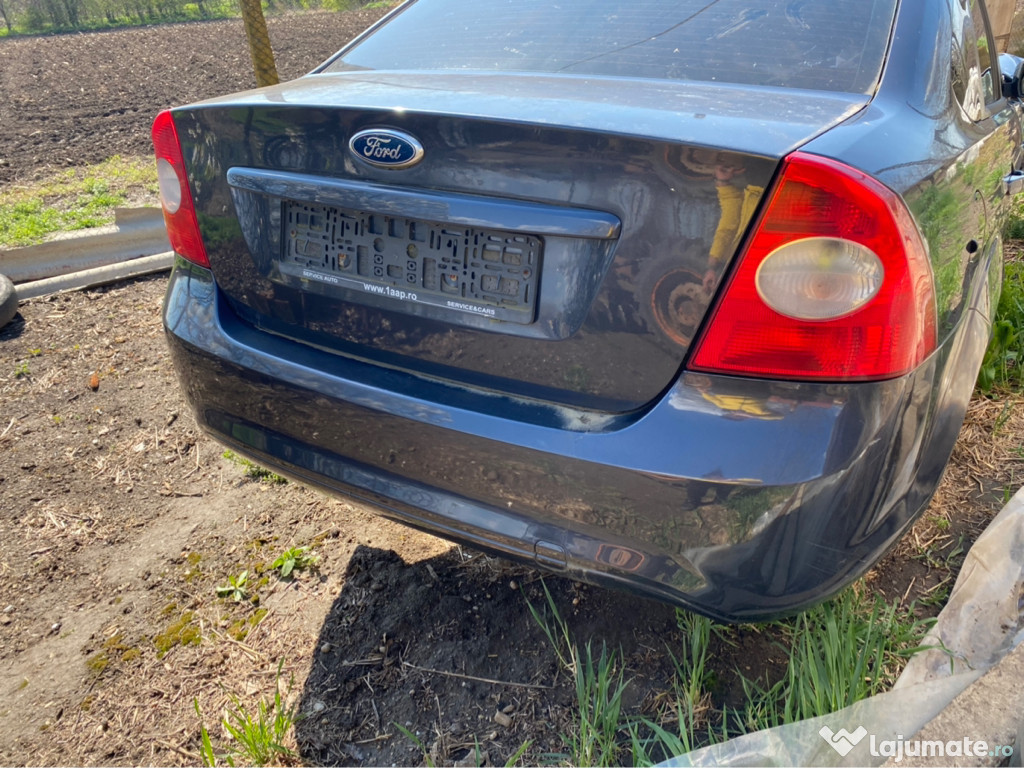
(916, 137)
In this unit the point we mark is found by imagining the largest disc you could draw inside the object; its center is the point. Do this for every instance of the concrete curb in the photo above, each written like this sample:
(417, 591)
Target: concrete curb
(89, 278)
(136, 232)
(8, 300)
(135, 245)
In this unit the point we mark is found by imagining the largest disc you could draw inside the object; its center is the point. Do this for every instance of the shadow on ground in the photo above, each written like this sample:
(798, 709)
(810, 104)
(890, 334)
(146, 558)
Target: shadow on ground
(448, 649)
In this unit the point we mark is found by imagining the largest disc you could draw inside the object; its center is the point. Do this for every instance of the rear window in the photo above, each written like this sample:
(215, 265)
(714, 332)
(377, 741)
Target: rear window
(833, 45)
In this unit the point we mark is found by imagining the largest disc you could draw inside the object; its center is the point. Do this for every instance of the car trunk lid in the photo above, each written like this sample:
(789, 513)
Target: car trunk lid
(559, 240)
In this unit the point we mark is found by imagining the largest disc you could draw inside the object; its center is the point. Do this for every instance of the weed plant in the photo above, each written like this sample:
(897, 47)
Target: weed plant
(256, 738)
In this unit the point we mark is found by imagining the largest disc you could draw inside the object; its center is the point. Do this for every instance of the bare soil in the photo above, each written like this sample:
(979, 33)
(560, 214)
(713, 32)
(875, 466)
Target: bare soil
(70, 100)
(118, 519)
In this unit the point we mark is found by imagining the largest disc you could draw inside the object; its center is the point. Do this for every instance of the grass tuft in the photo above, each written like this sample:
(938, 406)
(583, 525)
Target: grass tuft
(256, 738)
(600, 684)
(840, 652)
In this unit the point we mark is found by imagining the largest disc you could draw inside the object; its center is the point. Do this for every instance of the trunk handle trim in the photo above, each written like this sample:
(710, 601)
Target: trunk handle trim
(441, 207)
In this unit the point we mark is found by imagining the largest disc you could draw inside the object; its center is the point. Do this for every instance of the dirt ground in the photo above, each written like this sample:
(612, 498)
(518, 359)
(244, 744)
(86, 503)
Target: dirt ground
(118, 519)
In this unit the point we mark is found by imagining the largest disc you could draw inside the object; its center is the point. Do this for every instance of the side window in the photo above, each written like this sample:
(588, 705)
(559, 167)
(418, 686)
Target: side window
(985, 51)
(959, 75)
(972, 78)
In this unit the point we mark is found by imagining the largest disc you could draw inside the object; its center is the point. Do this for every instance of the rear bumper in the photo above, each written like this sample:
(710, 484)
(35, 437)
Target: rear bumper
(739, 499)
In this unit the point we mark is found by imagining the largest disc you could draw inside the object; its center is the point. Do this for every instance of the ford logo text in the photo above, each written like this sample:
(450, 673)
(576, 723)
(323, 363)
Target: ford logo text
(386, 148)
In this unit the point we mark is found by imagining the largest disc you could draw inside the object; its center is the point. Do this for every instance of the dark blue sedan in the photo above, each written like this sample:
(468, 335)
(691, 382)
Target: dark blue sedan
(686, 297)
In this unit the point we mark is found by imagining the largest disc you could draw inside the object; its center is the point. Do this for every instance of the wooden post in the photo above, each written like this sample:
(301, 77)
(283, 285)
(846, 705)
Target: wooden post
(259, 43)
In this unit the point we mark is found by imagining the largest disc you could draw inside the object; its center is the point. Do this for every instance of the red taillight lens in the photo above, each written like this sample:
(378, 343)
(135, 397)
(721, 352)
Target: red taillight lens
(834, 284)
(175, 197)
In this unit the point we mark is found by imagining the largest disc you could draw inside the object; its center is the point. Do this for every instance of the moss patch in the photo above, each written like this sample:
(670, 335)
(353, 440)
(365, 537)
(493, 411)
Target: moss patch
(192, 570)
(98, 662)
(242, 627)
(182, 631)
(113, 648)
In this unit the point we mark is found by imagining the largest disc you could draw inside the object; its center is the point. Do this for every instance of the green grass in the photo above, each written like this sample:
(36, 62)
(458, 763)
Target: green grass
(117, 15)
(33, 24)
(600, 684)
(1015, 226)
(836, 653)
(74, 199)
(256, 738)
(840, 652)
(1001, 369)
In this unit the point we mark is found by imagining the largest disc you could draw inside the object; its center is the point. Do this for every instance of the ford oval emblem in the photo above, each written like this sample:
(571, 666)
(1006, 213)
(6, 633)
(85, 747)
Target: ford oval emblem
(386, 148)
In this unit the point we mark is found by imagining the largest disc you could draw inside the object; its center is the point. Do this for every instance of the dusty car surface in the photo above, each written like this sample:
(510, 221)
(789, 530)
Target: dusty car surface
(686, 298)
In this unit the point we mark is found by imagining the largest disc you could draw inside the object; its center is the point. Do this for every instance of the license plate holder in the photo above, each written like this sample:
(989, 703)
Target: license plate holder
(483, 272)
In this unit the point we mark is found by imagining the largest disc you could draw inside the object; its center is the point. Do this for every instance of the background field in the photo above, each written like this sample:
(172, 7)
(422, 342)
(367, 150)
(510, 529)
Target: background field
(77, 99)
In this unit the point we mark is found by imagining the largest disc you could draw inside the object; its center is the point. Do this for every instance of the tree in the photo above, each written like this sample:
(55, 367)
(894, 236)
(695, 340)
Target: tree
(72, 10)
(5, 14)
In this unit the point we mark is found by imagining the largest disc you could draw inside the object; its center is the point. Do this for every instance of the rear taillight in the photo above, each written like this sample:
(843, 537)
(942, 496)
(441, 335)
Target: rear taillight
(834, 284)
(175, 197)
